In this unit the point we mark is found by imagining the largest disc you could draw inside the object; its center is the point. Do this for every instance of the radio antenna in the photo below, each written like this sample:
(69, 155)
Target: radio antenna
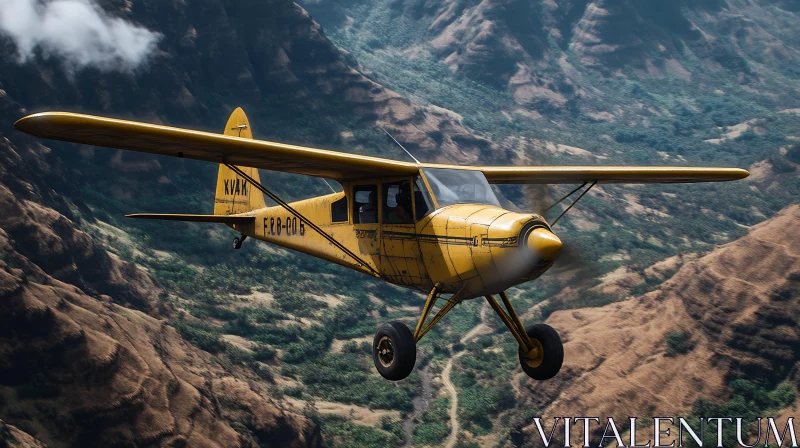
(329, 185)
(398, 144)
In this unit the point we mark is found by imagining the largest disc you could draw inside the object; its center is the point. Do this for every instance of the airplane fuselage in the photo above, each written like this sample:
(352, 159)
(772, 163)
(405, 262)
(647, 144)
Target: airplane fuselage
(480, 249)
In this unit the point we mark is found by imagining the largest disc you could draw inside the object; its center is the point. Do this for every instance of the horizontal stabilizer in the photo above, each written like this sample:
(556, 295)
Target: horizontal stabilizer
(224, 219)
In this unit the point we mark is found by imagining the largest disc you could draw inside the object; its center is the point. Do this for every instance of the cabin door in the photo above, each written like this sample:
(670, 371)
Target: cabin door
(401, 259)
(365, 212)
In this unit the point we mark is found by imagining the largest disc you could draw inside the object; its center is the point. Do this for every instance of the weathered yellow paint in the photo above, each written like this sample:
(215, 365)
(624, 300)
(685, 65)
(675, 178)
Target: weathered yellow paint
(470, 248)
(473, 249)
(483, 256)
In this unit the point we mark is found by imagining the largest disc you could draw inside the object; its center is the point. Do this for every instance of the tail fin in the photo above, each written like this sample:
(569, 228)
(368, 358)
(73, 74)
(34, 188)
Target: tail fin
(234, 194)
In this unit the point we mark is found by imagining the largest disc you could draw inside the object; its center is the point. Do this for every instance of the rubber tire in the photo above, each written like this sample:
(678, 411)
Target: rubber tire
(405, 351)
(237, 243)
(553, 352)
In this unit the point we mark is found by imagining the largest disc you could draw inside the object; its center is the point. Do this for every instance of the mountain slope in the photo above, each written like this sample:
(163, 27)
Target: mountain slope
(268, 57)
(12, 436)
(737, 309)
(81, 369)
(536, 48)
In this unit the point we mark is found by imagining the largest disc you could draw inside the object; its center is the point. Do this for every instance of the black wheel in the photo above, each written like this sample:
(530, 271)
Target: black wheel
(237, 243)
(544, 361)
(394, 351)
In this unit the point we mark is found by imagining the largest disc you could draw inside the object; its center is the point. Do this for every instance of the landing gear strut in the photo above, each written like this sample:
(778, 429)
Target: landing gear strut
(394, 349)
(237, 242)
(541, 351)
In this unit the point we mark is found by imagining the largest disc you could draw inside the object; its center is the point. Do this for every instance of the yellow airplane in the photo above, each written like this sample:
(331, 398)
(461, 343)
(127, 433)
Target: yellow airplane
(434, 228)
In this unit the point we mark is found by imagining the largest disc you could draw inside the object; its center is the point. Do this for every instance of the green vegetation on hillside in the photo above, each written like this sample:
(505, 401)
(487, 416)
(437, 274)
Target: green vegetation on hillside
(749, 400)
(341, 432)
(434, 425)
(678, 343)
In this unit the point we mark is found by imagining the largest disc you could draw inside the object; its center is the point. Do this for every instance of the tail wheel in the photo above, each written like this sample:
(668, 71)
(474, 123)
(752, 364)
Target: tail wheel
(394, 351)
(237, 243)
(544, 360)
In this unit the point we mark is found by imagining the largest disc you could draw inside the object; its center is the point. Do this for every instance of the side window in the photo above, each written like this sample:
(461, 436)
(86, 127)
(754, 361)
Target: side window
(365, 204)
(422, 199)
(397, 203)
(339, 210)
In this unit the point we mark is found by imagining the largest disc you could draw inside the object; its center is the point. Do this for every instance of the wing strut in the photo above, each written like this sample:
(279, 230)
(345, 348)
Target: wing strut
(573, 202)
(302, 218)
(565, 197)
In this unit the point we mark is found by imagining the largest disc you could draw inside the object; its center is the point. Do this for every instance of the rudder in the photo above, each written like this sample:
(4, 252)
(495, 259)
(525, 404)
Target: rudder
(235, 194)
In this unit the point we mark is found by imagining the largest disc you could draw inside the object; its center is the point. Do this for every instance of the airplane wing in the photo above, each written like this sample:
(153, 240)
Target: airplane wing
(218, 148)
(608, 174)
(165, 140)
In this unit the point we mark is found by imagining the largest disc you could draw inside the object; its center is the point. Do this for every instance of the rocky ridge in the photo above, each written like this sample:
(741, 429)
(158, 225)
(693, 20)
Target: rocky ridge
(86, 358)
(548, 53)
(270, 58)
(738, 307)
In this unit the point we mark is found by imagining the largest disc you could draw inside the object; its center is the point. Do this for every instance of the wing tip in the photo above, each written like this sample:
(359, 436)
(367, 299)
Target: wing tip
(741, 173)
(23, 124)
(33, 124)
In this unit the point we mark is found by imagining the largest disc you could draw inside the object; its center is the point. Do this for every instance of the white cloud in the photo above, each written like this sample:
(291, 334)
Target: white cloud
(78, 31)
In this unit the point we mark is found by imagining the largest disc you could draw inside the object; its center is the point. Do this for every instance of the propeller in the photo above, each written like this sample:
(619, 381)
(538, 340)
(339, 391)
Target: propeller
(569, 256)
(539, 194)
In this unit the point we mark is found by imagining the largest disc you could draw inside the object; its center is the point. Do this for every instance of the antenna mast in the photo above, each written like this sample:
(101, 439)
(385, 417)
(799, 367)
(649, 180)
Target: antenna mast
(398, 144)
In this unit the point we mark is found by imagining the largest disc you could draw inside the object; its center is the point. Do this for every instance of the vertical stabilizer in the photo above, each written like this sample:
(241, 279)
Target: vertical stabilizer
(234, 194)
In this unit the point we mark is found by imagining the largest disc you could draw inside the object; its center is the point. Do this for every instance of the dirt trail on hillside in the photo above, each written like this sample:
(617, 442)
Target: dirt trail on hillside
(477, 330)
(453, 437)
(421, 403)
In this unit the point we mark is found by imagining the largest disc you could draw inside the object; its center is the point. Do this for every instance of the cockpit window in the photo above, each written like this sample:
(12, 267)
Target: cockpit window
(422, 199)
(460, 187)
(397, 203)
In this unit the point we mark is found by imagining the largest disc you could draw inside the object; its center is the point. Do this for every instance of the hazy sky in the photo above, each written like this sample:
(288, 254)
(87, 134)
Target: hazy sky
(77, 31)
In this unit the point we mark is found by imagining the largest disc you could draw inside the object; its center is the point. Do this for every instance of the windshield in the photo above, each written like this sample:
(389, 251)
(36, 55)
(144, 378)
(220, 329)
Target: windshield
(460, 187)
